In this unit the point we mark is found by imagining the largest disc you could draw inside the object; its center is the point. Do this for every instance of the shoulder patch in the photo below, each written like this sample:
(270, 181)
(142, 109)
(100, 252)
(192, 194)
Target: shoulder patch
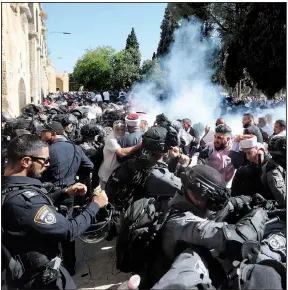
(277, 242)
(200, 268)
(45, 216)
(29, 194)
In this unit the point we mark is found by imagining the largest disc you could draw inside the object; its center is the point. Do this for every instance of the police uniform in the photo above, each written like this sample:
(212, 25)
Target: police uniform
(187, 272)
(193, 227)
(32, 229)
(65, 161)
(273, 178)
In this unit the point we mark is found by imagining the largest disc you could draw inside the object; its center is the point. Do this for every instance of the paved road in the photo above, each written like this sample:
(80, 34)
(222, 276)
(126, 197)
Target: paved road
(95, 266)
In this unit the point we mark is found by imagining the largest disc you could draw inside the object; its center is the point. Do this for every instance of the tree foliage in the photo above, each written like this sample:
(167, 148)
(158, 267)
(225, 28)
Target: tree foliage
(93, 69)
(168, 26)
(253, 39)
(151, 72)
(125, 72)
(132, 46)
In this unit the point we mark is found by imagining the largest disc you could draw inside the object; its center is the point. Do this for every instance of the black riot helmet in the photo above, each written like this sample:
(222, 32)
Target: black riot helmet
(30, 110)
(80, 112)
(154, 139)
(162, 120)
(277, 146)
(92, 130)
(158, 138)
(100, 225)
(207, 184)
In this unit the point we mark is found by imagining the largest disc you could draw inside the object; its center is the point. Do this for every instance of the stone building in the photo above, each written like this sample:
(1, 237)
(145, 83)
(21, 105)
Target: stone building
(27, 73)
(62, 82)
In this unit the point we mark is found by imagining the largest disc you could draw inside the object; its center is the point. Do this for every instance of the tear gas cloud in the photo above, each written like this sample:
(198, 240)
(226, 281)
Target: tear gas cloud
(188, 78)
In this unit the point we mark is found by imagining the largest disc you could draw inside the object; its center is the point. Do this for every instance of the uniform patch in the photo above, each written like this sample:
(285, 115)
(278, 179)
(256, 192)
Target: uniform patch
(200, 268)
(277, 242)
(279, 182)
(29, 194)
(45, 216)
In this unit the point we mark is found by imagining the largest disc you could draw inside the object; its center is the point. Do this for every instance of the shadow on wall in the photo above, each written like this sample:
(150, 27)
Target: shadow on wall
(21, 94)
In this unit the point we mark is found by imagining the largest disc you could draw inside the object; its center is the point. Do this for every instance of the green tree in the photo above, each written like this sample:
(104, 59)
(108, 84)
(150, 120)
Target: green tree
(151, 72)
(168, 26)
(146, 67)
(263, 46)
(93, 70)
(132, 46)
(125, 72)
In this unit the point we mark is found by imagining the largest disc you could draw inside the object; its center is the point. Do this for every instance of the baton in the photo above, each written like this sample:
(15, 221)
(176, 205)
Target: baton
(272, 221)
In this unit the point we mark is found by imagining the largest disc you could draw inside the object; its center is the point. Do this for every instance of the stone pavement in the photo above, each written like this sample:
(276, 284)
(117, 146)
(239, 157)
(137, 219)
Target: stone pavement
(95, 266)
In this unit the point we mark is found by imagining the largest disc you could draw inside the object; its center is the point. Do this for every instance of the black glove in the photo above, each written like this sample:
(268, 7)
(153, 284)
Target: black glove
(49, 186)
(241, 202)
(205, 153)
(258, 199)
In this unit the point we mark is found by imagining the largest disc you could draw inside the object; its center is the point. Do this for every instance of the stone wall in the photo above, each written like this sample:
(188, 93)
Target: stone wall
(51, 78)
(15, 57)
(27, 74)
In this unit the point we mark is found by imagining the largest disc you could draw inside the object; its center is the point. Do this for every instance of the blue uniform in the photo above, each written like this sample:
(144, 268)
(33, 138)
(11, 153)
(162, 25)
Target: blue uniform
(33, 227)
(65, 161)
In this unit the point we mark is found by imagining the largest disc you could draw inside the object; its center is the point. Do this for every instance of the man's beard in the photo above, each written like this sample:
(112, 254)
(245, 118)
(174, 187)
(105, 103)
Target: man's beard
(31, 172)
(220, 147)
(246, 126)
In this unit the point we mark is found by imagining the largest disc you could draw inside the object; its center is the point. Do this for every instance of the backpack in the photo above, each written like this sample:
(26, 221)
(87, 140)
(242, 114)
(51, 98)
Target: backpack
(138, 241)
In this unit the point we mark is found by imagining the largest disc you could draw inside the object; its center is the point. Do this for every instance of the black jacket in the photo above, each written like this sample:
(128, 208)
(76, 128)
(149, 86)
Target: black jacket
(65, 161)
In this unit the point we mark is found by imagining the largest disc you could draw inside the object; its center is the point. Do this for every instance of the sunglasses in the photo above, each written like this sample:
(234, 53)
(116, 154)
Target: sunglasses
(46, 160)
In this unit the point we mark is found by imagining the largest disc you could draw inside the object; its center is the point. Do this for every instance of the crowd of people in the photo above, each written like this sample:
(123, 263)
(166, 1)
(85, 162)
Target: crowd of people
(232, 105)
(190, 207)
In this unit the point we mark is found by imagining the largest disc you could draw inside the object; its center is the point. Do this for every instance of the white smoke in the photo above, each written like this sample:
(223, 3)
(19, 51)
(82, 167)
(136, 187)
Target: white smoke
(188, 76)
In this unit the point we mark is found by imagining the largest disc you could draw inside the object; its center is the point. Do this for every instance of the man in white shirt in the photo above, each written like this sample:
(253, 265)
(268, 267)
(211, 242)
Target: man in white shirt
(98, 98)
(91, 95)
(106, 96)
(111, 150)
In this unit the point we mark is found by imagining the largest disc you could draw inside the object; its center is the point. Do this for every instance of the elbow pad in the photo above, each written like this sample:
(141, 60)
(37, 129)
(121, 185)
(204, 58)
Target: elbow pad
(250, 228)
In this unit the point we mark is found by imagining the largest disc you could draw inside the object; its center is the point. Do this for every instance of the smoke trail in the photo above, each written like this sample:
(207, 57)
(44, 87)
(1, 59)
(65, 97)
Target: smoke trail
(188, 78)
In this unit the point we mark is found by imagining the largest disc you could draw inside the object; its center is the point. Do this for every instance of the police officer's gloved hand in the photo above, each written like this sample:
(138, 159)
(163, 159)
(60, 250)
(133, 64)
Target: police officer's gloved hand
(241, 202)
(258, 199)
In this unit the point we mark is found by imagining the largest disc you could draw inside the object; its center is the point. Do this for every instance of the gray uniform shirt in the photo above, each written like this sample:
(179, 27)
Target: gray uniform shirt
(191, 226)
(274, 182)
(186, 272)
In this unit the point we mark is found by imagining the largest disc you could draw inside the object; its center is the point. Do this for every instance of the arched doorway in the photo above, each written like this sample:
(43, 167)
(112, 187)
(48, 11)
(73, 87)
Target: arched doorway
(59, 84)
(21, 94)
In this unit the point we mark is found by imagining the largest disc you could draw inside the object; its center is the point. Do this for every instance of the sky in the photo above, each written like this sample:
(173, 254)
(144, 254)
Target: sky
(99, 24)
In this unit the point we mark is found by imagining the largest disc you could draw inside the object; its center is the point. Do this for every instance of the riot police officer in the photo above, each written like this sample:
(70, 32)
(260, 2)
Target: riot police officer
(92, 144)
(274, 171)
(204, 191)
(31, 225)
(66, 160)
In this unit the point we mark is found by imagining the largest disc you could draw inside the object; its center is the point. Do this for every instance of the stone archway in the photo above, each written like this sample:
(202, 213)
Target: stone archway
(59, 84)
(21, 93)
